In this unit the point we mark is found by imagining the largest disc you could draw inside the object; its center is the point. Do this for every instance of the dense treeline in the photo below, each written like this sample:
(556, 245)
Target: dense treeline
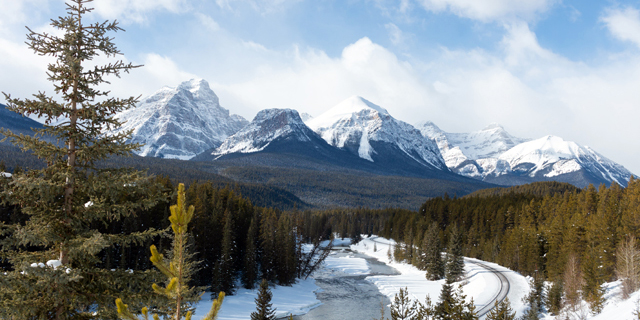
(233, 239)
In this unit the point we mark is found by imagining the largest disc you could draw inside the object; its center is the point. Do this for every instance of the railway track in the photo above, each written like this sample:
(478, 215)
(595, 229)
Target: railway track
(500, 295)
(505, 286)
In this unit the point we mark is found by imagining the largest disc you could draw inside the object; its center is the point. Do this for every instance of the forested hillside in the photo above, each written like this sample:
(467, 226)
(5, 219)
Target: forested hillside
(573, 237)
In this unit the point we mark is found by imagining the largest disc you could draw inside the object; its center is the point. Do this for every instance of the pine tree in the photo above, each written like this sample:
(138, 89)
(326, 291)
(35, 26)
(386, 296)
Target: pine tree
(224, 271)
(270, 250)
(263, 303)
(592, 290)
(432, 250)
(554, 298)
(402, 308)
(250, 274)
(70, 201)
(455, 261)
(501, 311)
(178, 270)
(452, 305)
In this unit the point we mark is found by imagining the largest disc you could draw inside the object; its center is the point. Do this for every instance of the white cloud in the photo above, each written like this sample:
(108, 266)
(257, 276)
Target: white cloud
(157, 71)
(395, 34)
(16, 13)
(490, 10)
(207, 22)
(136, 10)
(623, 24)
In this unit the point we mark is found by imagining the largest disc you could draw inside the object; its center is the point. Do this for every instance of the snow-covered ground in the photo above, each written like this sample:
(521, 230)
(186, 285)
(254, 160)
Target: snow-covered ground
(479, 285)
(615, 307)
(297, 299)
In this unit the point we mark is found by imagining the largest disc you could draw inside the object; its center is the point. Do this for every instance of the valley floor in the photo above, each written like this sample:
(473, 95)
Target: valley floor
(355, 262)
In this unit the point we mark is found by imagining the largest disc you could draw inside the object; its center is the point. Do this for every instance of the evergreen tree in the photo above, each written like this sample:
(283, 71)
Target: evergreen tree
(224, 271)
(178, 270)
(592, 290)
(452, 305)
(270, 250)
(402, 308)
(501, 311)
(71, 199)
(263, 303)
(554, 298)
(432, 250)
(250, 273)
(455, 261)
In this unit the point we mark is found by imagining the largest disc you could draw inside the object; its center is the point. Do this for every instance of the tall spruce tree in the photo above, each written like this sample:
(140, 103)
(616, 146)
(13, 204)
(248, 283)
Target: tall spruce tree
(264, 310)
(250, 272)
(455, 261)
(224, 271)
(70, 201)
(432, 251)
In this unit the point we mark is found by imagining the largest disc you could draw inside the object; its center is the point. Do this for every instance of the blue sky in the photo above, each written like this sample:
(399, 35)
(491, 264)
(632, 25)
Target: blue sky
(564, 67)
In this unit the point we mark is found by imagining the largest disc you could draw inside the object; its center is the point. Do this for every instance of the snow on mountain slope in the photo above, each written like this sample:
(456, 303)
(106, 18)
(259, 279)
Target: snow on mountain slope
(180, 122)
(552, 156)
(456, 148)
(366, 130)
(494, 153)
(267, 126)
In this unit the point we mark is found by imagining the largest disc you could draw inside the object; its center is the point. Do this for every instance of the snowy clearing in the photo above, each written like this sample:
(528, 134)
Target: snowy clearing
(297, 299)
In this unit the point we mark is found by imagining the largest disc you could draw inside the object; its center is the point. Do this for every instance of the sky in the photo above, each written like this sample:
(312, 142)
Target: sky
(569, 68)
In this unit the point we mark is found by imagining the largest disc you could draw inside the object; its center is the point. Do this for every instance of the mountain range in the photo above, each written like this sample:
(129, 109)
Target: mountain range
(355, 142)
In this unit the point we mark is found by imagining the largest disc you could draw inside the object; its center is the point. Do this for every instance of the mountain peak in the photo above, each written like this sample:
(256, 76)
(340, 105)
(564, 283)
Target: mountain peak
(180, 122)
(358, 103)
(200, 89)
(493, 125)
(267, 126)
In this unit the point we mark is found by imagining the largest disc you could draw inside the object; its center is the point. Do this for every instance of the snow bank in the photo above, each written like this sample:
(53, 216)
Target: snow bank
(614, 308)
(350, 265)
(479, 284)
(297, 299)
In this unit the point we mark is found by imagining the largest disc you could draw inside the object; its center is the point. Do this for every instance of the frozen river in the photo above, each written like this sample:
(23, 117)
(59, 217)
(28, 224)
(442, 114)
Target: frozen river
(348, 296)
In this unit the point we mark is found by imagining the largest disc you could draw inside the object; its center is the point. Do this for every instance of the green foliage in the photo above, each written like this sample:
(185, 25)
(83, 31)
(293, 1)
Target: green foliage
(432, 253)
(264, 309)
(554, 298)
(402, 307)
(178, 270)
(501, 311)
(452, 305)
(454, 268)
(68, 202)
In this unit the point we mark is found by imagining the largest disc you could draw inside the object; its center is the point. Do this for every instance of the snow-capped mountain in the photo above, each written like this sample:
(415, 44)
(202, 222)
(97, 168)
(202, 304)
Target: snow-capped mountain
(551, 156)
(494, 155)
(268, 126)
(459, 150)
(180, 122)
(370, 132)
